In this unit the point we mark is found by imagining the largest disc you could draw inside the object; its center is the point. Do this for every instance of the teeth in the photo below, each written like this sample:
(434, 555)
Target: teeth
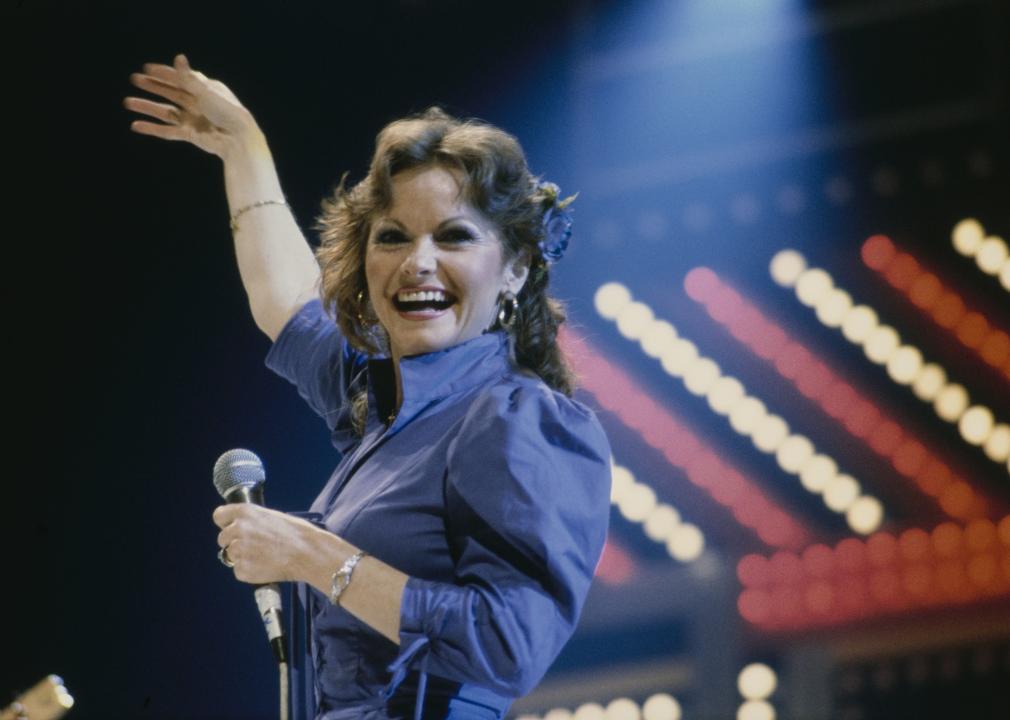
(426, 296)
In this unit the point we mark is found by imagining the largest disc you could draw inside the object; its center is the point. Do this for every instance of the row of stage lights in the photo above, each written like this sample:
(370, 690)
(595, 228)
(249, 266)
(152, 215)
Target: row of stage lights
(882, 345)
(747, 415)
(882, 575)
(756, 683)
(837, 397)
(660, 521)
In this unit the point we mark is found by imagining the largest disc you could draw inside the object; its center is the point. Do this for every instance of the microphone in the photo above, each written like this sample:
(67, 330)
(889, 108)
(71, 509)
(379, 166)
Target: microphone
(239, 478)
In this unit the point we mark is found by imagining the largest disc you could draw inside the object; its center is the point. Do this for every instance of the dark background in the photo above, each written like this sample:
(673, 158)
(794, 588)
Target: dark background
(135, 359)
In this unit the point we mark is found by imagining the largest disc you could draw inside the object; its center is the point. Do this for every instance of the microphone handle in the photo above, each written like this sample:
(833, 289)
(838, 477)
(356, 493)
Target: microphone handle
(268, 597)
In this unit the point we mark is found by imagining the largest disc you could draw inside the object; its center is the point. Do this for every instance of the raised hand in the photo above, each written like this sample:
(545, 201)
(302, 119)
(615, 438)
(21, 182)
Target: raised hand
(200, 111)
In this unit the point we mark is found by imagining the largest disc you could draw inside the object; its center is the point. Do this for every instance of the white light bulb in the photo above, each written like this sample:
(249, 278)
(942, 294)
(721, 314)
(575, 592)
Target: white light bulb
(833, 307)
(858, 323)
(661, 522)
(770, 433)
(841, 492)
(685, 543)
(590, 711)
(725, 392)
(610, 299)
(756, 681)
(637, 503)
(967, 236)
(817, 472)
(951, 402)
(997, 447)
(623, 709)
(681, 355)
(700, 375)
(865, 515)
(991, 255)
(905, 364)
(812, 285)
(786, 267)
(634, 319)
(794, 453)
(975, 424)
(755, 710)
(930, 380)
(881, 344)
(658, 338)
(661, 706)
(746, 415)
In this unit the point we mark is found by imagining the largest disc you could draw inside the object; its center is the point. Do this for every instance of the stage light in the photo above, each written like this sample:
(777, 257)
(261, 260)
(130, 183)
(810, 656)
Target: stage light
(634, 319)
(661, 706)
(755, 710)
(951, 402)
(786, 267)
(590, 711)
(794, 453)
(621, 481)
(747, 414)
(559, 714)
(858, 323)
(724, 394)
(756, 681)
(976, 424)
(930, 380)
(904, 365)
(967, 236)
(817, 473)
(769, 433)
(865, 515)
(991, 255)
(661, 522)
(1004, 275)
(658, 338)
(610, 299)
(623, 709)
(637, 502)
(841, 492)
(700, 376)
(997, 446)
(833, 307)
(812, 285)
(881, 344)
(685, 543)
(681, 355)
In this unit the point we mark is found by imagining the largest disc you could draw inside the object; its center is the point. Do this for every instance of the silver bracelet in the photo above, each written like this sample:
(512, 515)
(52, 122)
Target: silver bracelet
(260, 203)
(342, 577)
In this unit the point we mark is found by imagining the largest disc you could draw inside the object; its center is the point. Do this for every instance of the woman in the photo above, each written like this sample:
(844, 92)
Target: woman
(453, 546)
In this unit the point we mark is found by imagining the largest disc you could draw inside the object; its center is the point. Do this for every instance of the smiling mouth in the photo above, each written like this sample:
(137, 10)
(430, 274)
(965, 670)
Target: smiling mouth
(414, 301)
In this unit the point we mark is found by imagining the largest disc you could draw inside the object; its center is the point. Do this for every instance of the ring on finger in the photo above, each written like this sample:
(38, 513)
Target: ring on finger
(222, 555)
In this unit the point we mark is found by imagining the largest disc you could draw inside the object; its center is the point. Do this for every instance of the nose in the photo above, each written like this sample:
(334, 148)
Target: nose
(422, 259)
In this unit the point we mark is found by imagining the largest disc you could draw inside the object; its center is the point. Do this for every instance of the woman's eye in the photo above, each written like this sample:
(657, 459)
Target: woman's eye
(456, 235)
(389, 237)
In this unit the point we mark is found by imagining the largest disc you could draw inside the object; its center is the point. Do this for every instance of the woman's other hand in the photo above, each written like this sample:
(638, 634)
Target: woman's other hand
(200, 111)
(266, 545)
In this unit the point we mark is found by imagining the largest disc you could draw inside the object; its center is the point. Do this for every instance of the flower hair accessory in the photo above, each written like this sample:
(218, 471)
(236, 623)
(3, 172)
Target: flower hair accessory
(557, 222)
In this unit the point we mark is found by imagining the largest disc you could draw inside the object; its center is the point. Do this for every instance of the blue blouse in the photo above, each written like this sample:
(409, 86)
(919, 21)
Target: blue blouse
(489, 489)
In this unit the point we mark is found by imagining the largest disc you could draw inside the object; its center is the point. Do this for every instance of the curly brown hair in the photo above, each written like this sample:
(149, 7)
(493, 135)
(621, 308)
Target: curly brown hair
(497, 182)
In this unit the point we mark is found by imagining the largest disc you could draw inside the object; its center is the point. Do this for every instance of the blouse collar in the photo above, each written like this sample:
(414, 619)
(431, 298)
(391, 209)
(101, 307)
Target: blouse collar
(430, 377)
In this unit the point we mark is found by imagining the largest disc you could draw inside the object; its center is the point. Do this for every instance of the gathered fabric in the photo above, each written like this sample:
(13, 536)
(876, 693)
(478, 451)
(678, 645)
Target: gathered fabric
(489, 490)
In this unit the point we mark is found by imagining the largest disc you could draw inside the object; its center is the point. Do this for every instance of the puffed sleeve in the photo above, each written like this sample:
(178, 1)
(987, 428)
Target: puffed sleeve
(528, 502)
(311, 353)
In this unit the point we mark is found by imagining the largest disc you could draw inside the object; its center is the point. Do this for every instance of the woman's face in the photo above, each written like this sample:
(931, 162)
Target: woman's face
(435, 265)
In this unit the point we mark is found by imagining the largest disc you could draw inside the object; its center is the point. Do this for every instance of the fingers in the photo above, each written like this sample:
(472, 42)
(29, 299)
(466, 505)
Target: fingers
(224, 515)
(165, 89)
(162, 111)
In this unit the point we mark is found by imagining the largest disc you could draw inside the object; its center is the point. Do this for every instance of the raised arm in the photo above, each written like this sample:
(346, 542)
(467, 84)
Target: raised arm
(277, 265)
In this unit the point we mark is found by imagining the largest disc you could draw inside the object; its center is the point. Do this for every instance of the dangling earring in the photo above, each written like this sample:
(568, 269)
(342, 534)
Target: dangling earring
(508, 310)
(360, 306)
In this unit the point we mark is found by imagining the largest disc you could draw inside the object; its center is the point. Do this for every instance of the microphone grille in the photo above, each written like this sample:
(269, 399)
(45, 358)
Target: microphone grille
(238, 468)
